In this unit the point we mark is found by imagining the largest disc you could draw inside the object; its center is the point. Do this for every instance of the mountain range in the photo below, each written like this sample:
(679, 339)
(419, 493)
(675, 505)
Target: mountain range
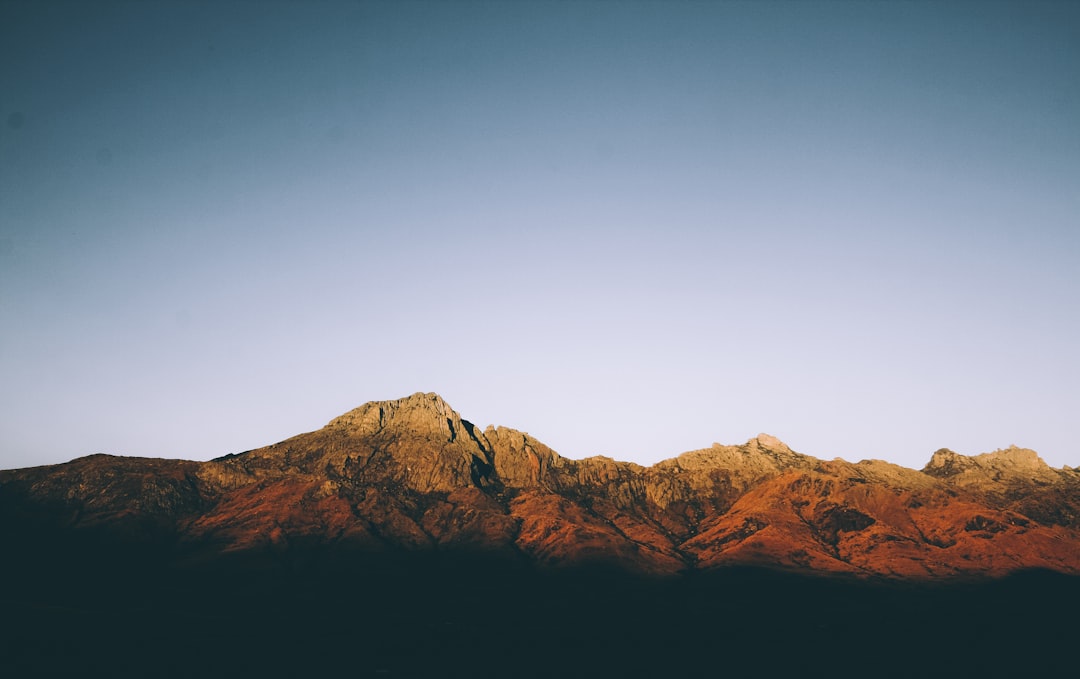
(431, 518)
(412, 474)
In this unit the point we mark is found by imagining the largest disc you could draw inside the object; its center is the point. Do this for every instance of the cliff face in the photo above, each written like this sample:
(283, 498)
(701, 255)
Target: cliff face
(412, 474)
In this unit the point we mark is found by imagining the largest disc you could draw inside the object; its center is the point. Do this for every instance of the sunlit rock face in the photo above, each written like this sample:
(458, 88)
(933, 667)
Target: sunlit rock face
(412, 474)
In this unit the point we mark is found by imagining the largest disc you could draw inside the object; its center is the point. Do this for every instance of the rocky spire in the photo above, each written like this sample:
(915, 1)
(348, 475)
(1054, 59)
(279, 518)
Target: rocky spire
(945, 462)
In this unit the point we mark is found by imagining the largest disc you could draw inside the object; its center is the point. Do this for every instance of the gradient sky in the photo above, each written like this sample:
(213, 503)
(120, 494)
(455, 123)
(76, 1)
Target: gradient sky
(630, 229)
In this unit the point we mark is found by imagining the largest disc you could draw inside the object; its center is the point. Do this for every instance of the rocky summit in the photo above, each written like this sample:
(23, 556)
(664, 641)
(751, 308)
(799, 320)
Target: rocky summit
(402, 540)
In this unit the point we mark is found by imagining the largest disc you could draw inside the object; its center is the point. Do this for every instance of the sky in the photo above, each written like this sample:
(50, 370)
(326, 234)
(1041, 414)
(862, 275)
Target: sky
(629, 229)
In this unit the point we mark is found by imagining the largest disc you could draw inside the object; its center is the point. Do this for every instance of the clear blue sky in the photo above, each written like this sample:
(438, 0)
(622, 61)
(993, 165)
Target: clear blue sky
(630, 229)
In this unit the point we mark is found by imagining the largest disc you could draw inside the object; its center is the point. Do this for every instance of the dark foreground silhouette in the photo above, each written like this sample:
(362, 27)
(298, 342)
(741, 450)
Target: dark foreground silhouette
(89, 605)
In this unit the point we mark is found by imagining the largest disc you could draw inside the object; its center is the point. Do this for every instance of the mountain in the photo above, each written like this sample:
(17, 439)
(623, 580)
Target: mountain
(413, 474)
(438, 547)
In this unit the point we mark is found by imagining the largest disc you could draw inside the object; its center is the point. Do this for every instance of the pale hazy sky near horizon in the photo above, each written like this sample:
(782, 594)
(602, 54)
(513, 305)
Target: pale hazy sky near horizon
(630, 229)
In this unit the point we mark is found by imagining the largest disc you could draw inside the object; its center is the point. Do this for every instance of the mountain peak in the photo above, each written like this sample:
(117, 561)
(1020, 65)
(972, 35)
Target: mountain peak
(1014, 457)
(422, 412)
(945, 462)
(769, 442)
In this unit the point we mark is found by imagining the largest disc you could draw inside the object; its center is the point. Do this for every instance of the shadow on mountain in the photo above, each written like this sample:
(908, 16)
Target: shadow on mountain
(108, 605)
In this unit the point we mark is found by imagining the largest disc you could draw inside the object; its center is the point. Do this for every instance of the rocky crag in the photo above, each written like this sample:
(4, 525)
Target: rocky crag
(412, 475)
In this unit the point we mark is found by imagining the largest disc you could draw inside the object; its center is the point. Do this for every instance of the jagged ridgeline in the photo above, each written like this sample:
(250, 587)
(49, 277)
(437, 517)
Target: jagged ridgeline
(411, 474)
(401, 540)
